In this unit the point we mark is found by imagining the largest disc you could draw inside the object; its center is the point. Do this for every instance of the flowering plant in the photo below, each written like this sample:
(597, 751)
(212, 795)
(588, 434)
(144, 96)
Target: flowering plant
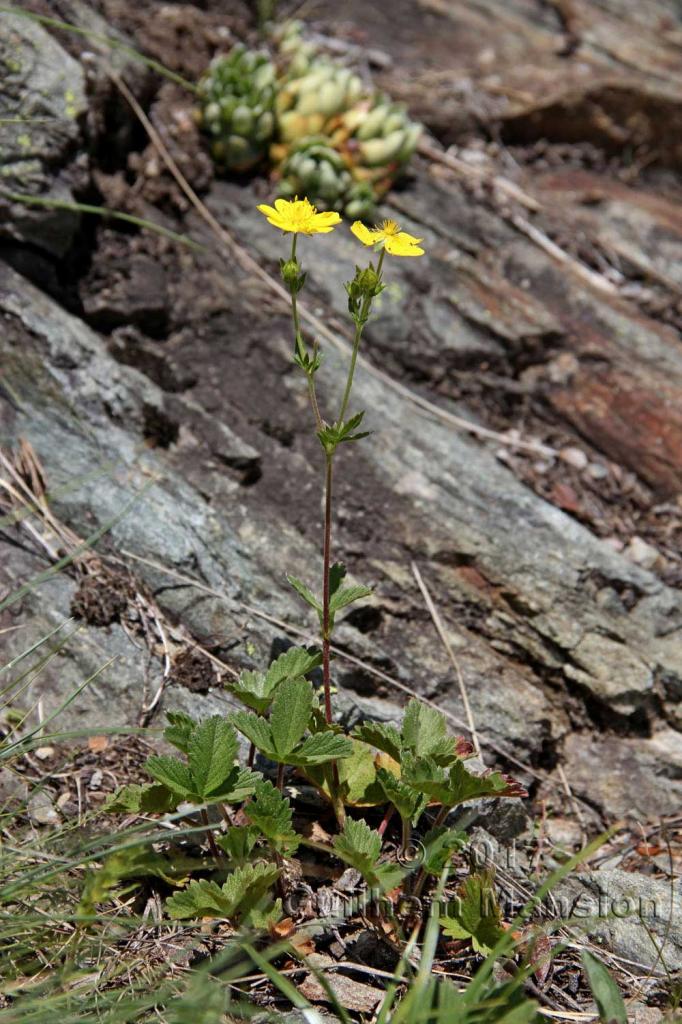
(402, 772)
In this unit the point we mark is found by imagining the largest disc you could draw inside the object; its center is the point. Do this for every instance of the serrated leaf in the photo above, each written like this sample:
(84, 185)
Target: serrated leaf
(305, 593)
(455, 787)
(296, 662)
(358, 843)
(242, 891)
(238, 786)
(357, 778)
(238, 843)
(173, 774)
(408, 802)
(474, 914)
(438, 846)
(347, 595)
(272, 813)
(142, 799)
(201, 898)
(212, 753)
(606, 993)
(337, 574)
(425, 730)
(383, 737)
(323, 746)
(290, 714)
(179, 729)
(255, 729)
(254, 690)
(360, 846)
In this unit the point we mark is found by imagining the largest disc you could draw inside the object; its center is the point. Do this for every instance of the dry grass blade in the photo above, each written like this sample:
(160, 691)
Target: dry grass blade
(440, 629)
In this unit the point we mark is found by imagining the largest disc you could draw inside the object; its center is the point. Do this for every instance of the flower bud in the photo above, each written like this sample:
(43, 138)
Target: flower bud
(291, 275)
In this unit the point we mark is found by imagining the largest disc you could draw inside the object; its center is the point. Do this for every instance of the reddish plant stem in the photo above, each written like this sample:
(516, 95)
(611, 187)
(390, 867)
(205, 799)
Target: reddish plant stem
(214, 848)
(390, 811)
(280, 777)
(326, 638)
(252, 756)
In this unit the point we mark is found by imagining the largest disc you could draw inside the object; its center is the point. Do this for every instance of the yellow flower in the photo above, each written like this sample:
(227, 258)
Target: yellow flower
(299, 216)
(396, 242)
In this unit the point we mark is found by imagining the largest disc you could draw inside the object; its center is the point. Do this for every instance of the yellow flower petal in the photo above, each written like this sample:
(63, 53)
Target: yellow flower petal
(402, 245)
(299, 216)
(366, 236)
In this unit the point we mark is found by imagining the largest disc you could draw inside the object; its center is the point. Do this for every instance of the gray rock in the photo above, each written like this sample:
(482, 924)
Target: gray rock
(41, 809)
(42, 98)
(631, 914)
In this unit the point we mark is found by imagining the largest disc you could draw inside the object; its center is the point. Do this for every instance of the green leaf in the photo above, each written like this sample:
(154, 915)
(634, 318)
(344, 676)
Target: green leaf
(295, 662)
(606, 993)
(457, 787)
(408, 802)
(346, 596)
(337, 574)
(238, 786)
(360, 846)
(323, 746)
(439, 844)
(212, 753)
(243, 890)
(425, 732)
(255, 729)
(173, 774)
(271, 812)
(475, 915)
(290, 715)
(305, 593)
(383, 737)
(238, 843)
(137, 799)
(254, 690)
(179, 729)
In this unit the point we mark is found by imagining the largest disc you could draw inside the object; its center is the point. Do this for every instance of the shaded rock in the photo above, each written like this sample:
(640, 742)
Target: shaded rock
(42, 99)
(41, 809)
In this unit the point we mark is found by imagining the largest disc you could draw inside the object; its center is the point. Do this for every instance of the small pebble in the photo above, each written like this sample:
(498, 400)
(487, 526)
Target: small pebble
(641, 553)
(41, 809)
(95, 779)
(575, 457)
(44, 753)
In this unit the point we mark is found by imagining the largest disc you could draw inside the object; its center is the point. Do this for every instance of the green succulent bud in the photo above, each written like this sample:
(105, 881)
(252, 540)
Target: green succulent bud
(237, 97)
(292, 276)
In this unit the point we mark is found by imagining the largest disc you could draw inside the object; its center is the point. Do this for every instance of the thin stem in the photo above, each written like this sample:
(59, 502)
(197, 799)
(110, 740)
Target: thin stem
(214, 848)
(390, 811)
(421, 877)
(406, 836)
(326, 558)
(252, 756)
(294, 304)
(364, 312)
(280, 777)
(319, 422)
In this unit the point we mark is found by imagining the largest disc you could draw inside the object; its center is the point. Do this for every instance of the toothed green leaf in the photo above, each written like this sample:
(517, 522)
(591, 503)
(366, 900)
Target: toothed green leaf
(457, 786)
(239, 786)
(474, 914)
(425, 732)
(296, 662)
(254, 690)
(383, 737)
(173, 774)
(238, 843)
(438, 846)
(305, 593)
(271, 812)
(347, 595)
(323, 746)
(242, 891)
(408, 802)
(137, 799)
(360, 846)
(290, 714)
(212, 752)
(179, 729)
(255, 729)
